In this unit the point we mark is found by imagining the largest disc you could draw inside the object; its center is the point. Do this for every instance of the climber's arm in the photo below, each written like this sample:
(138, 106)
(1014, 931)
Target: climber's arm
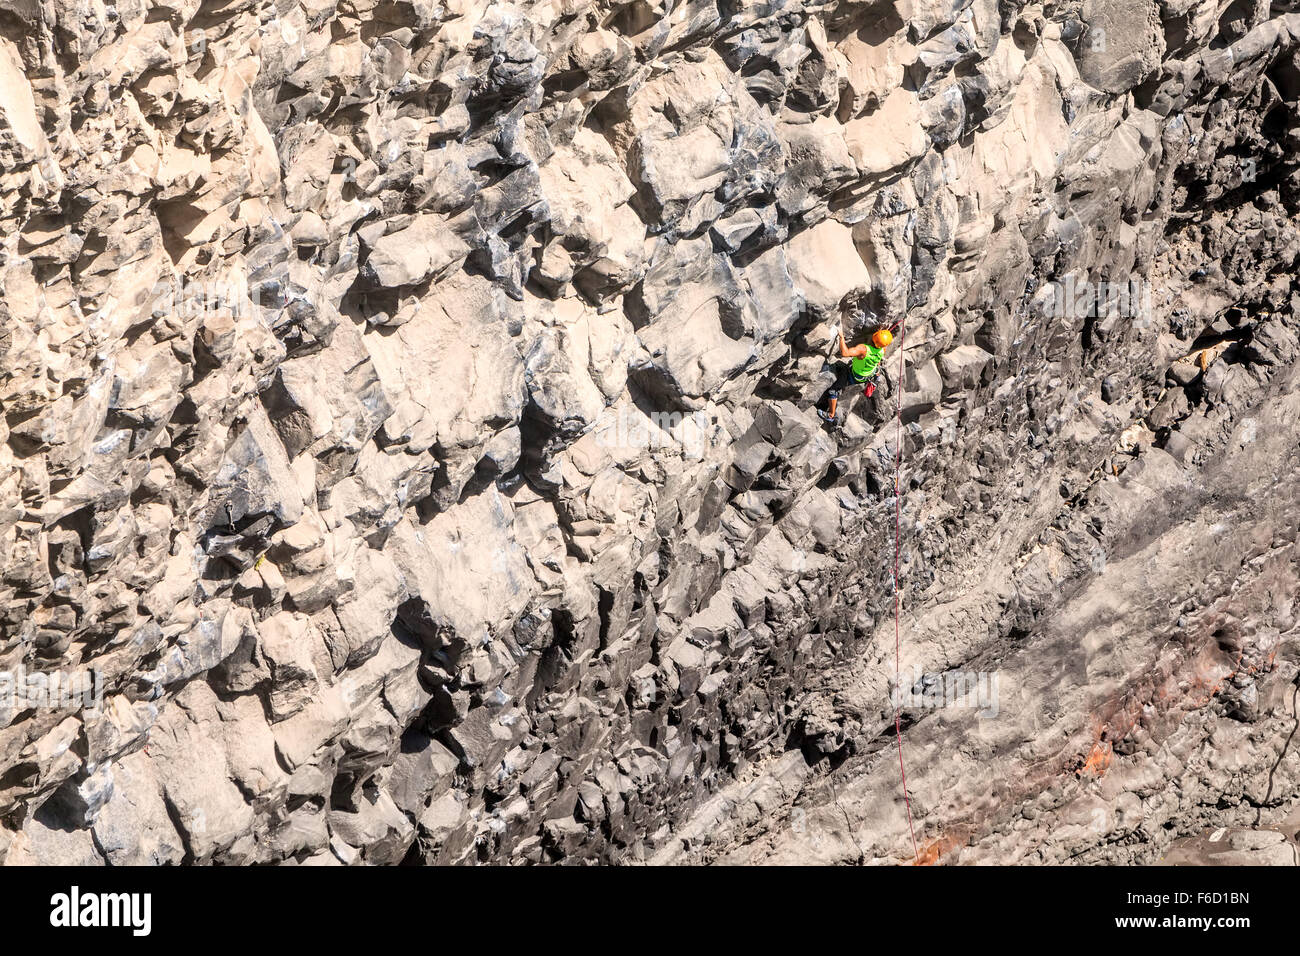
(856, 352)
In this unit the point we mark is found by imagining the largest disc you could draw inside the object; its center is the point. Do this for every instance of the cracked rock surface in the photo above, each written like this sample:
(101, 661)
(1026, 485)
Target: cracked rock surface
(409, 419)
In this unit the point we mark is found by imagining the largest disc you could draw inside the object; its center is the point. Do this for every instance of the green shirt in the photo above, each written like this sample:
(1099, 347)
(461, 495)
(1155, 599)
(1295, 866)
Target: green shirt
(863, 368)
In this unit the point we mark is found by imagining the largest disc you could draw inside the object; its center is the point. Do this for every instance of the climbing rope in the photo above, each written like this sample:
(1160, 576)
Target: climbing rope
(898, 537)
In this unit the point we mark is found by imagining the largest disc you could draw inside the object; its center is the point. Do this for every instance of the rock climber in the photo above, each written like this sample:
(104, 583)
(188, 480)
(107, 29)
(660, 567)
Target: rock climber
(866, 359)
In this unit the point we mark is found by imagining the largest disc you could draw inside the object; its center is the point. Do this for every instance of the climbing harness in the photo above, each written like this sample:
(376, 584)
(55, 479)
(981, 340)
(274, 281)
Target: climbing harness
(898, 537)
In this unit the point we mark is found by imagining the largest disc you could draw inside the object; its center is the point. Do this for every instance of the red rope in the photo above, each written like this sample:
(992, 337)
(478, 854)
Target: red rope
(898, 537)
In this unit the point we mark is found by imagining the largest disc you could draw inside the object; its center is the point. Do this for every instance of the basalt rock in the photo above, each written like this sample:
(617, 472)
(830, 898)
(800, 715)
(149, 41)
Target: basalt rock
(409, 419)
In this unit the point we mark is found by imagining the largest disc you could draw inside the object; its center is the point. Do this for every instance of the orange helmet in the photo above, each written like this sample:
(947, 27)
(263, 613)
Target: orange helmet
(882, 339)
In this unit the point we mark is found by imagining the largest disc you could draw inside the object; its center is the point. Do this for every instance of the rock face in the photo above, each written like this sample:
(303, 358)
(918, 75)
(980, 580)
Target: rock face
(408, 424)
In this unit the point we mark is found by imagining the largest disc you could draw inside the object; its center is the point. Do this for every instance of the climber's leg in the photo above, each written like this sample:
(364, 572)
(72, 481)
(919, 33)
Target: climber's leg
(829, 415)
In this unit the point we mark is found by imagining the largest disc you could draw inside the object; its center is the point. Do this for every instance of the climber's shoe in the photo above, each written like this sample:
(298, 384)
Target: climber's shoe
(826, 417)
